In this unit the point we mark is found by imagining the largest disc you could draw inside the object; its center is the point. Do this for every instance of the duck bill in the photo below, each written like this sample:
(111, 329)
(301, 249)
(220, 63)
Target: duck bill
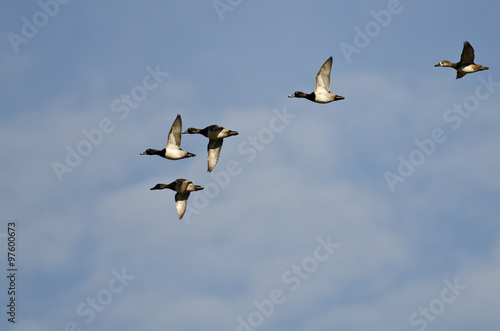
(292, 96)
(339, 97)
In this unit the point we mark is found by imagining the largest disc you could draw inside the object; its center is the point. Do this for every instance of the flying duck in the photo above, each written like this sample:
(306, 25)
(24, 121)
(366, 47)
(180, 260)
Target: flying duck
(183, 187)
(173, 149)
(466, 64)
(321, 93)
(216, 135)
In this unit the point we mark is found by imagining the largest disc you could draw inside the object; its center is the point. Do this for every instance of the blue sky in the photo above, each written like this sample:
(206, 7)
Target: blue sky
(298, 227)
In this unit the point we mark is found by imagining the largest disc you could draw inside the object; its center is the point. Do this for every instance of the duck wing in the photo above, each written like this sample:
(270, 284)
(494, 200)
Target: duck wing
(181, 203)
(460, 74)
(467, 56)
(214, 147)
(174, 136)
(323, 77)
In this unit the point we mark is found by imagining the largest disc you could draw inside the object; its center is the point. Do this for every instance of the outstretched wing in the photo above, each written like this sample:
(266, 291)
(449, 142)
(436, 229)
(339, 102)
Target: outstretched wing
(214, 147)
(323, 77)
(467, 56)
(174, 136)
(181, 203)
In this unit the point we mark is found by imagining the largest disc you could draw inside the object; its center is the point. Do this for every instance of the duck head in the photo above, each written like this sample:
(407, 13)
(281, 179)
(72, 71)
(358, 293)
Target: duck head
(298, 94)
(192, 130)
(444, 64)
(149, 151)
(164, 186)
(159, 187)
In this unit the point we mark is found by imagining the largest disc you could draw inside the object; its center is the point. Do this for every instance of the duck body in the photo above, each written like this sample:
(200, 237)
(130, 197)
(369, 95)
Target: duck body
(215, 134)
(183, 187)
(466, 64)
(317, 97)
(173, 149)
(321, 93)
(170, 154)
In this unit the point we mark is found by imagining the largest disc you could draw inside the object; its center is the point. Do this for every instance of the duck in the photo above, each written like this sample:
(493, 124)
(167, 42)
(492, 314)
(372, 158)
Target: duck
(173, 149)
(215, 134)
(183, 187)
(321, 93)
(466, 64)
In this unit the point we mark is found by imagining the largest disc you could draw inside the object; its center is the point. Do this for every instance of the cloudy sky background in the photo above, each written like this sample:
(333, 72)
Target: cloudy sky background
(280, 187)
